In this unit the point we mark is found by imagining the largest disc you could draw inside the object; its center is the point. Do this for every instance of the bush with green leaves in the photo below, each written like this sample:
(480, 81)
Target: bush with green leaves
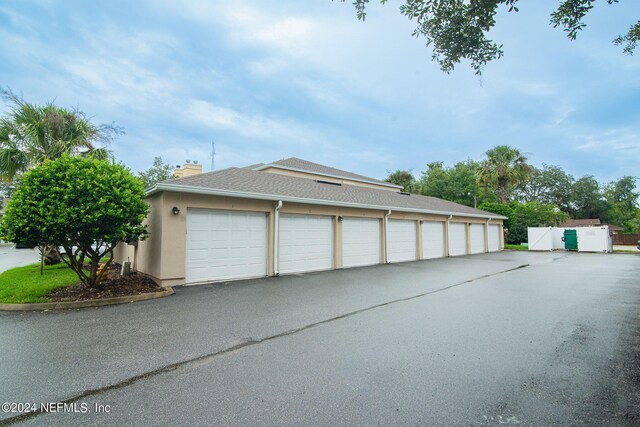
(85, 205)
(523, 215)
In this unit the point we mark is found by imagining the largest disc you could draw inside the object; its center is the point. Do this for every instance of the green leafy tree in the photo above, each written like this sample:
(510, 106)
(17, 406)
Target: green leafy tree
(158, 172)
(457, 184)
(503, 169)
(434, 181)
(523, 215)
(549, 185)
(588, 200)
(458, 29)
(85, 205)
(622, 197)
(405, 179)
(633, 225)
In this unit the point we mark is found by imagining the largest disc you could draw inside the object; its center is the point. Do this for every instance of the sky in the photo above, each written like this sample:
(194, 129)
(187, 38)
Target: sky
(271, 79)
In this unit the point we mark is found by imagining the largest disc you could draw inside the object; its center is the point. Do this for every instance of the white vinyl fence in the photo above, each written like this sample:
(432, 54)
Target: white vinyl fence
(590, 239)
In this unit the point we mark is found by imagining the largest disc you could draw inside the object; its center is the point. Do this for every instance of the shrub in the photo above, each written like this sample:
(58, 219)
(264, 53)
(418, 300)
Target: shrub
(84, 205)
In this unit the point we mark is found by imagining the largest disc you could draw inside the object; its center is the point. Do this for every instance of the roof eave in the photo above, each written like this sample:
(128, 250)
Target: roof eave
(274, 197)
(366, 181)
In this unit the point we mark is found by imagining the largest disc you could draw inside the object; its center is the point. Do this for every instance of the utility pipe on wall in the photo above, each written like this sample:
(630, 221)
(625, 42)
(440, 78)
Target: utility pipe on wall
(448, 249)
(386, 237)
(276, 238)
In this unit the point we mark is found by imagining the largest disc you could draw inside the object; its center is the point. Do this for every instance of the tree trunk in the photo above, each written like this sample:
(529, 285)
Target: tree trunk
(50, 255)
(502, 189)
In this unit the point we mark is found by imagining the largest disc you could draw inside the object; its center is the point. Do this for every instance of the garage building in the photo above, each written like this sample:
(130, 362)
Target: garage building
(295, 216)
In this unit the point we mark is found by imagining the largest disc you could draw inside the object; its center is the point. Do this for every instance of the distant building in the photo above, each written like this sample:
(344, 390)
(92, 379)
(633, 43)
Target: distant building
(592, 222)
(595, 222)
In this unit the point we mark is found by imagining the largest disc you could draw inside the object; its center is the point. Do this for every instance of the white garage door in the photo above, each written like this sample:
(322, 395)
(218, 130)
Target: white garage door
(401, 240)
(223, 245)
(457, 238)
(306, 243)
(494, 238)
(476, 234)
(432, 239)
(360, 241)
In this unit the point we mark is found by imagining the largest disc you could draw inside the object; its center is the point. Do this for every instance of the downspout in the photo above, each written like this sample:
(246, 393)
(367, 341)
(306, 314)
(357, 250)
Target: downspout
(448, 231)
(276, 238)
(386, 235)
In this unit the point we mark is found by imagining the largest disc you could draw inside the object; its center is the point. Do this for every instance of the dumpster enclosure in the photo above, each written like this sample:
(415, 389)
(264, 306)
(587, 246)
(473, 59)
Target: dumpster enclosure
(589, 239)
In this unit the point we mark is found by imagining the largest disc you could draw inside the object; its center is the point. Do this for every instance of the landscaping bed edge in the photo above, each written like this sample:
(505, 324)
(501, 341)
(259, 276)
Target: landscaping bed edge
(64, 305)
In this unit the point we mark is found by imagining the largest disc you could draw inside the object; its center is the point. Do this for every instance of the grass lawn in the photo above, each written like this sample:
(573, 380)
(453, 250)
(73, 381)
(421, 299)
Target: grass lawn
(26, 285)
(516, 247)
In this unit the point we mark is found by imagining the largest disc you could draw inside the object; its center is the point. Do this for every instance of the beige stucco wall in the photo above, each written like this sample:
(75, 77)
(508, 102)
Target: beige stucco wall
(162, 256)
(326, 178)
(146, 258)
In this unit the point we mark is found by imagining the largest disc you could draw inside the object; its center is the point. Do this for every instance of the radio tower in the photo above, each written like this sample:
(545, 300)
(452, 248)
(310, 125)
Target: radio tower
(213, 155)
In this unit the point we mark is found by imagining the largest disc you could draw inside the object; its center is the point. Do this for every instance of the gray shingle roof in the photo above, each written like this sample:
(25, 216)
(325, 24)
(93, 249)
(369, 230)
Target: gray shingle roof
(257, 165)
(273, 186)
(296, 163)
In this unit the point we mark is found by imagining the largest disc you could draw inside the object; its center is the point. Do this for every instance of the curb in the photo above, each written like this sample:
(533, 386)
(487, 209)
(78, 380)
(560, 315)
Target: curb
(65, 305)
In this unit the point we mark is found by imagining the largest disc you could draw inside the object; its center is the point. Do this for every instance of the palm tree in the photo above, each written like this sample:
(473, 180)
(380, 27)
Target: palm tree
(31, 134)
(504, 168)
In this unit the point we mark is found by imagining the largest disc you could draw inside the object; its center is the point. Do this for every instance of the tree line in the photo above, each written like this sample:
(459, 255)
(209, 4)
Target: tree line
(504, 182)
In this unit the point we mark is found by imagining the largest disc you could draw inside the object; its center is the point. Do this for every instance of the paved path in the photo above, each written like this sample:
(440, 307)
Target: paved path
(11, 257)
(625, 248)
(528, 338)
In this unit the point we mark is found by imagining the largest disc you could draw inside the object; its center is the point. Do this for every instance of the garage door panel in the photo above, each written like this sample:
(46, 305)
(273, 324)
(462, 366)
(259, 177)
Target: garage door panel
(361, 239)
(476, 234)
(306, 243)
(225, 245)
(494, 238)
(401, 240)
(457, 239)
(432, 239)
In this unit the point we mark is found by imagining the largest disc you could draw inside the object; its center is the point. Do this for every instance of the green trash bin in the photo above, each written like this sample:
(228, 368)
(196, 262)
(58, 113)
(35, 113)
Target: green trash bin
(570, 240)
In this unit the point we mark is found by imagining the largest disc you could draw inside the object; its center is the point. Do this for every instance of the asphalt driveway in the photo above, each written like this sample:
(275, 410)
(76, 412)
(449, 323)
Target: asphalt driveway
(506, 338)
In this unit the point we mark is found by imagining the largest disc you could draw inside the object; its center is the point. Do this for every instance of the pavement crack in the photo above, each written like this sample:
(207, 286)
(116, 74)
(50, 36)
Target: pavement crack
(243, 344)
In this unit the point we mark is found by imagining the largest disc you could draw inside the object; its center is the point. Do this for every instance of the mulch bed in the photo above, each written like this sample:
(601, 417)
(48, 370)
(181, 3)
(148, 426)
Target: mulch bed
(114, 286)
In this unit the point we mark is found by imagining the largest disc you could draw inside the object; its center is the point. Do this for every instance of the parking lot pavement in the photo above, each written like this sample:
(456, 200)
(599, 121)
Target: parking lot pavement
(11, 257)
(513, 337)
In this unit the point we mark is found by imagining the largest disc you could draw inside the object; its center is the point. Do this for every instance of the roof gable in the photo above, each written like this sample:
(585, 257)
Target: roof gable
(296, 164)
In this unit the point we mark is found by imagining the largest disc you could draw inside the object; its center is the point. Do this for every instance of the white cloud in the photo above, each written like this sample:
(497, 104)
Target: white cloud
(267, 67)
(258, 126)
(249, 25)
(614, 142)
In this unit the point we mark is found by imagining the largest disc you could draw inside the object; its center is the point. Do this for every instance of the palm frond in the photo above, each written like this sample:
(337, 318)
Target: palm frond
(31, 134)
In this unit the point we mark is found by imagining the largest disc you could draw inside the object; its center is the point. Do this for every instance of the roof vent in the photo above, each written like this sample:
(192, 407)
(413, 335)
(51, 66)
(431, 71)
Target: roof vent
(404, 193)
(320, 181)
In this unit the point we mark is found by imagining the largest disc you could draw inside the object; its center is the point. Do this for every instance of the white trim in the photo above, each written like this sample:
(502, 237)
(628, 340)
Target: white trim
(276, 166)
(246, 195)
